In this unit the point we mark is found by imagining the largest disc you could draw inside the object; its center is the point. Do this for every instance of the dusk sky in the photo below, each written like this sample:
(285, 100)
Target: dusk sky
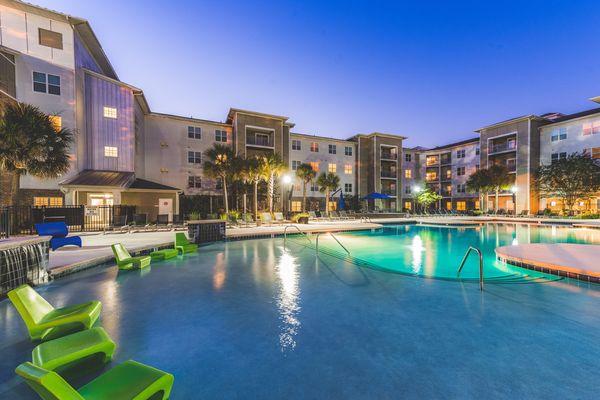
(433, 72)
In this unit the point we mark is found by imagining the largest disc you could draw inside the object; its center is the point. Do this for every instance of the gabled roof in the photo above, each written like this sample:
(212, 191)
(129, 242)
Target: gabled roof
(233, 111)
(113, 179)
(455, 144)
(144, 184)
(580, 114)
(510, 121)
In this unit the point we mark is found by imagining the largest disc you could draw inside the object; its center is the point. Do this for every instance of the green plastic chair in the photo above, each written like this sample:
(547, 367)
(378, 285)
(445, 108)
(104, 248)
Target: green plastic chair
(45, 322)
(164, 254)
(183, 245)
(125, 261)
(128, 381)
(64, 352)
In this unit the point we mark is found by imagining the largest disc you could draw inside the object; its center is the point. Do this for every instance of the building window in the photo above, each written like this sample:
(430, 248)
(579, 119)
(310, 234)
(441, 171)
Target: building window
(164, 170)
(477, 150)
(195, 132)
(477, 167)
(431, 176)
(460, 153)
(332, 149)
(50, 39)
(348, 169)
(332, 168)
(295, 164)
(591, 127)
(314, 147)
(347, 188)
(46, 83)
(47, 201)
(194, 157)
(56, 121)
(460, 171)
(461, 205)
(408, 173)
(110, 112)
(110, 151)
(558, 134)
(296, 145)
(558, 156)
(595, 152)
(348, 150)
(194, 182)
(407, 205)
(408, 157)
(219, 184)
(314, 187)
(296, 206)
(461, 188)
(407, 190)
(315, 165)
(220, 136)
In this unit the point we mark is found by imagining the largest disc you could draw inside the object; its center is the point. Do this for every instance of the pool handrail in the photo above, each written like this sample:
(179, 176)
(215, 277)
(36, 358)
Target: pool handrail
(462, 264)
(298, 229)
(333, 236)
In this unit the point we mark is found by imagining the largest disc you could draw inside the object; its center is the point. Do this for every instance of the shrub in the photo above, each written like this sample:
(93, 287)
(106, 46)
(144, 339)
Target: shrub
(588, 215)
(296, 217)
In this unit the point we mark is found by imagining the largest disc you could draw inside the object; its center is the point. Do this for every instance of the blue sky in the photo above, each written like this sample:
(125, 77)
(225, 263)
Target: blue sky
(433, 72)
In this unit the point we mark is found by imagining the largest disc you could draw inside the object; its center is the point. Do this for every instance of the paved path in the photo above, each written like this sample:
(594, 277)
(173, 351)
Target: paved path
(579, 259)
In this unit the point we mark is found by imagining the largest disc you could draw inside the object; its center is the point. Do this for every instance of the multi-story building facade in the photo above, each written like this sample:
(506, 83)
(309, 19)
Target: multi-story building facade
(125, 153)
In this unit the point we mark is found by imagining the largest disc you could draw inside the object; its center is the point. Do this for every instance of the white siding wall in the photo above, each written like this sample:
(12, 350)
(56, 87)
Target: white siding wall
(166, 151)
(323, 157)
(19, 31)
(575, 141)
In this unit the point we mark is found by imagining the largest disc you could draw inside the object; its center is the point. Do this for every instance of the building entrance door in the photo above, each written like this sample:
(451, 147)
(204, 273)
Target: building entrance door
(165, 207)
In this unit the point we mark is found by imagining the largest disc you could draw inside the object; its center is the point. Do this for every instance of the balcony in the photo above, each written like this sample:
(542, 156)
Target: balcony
(447, 193)
(389, 174)
(431, 160)
(389, 155)
(429, 177)
(259, 140)
(502, 147)
(446, 159)
(389, 192)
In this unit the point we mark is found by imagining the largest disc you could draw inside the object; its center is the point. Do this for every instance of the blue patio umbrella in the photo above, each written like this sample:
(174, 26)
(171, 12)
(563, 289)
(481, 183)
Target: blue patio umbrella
(375, 195)
(341, 202)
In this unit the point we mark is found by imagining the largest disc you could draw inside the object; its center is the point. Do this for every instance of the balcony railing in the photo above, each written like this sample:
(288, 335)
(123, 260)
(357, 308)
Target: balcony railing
(388, 155)
(431, 178)
(429, 161)
(499, 148)
(389, 174)
(389, 192)
(445, 160)
(447, 193)
(259, 141)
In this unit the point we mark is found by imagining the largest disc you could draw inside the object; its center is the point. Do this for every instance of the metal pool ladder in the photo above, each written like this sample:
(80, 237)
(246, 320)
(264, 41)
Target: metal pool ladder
(298, 229)
(462, 264)
(333, 236)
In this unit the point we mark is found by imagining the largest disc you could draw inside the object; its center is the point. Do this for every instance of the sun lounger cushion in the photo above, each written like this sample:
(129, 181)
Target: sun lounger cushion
(45, 322)
(67, 350)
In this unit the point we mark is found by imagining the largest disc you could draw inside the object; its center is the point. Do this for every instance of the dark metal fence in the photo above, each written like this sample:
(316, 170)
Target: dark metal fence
(21, 220)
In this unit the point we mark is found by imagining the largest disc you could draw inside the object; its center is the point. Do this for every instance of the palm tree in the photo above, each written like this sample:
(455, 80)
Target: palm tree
(327, 183)
(500, 179)
(252, 174)
(31, 144)
(271, 166)
(220, 165)
(306, 174)
(480, 182)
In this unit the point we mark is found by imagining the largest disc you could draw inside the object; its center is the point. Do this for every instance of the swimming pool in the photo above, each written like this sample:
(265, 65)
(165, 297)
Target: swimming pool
(260, 319)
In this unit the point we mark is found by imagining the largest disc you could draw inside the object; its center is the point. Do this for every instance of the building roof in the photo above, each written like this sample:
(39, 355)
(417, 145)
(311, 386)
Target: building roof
(317, 137)
(580, 114)
(233, 111)
(388, 135)
(455, 144)
(113, 179)
(144, 184)
(510, 121)
(191, 119)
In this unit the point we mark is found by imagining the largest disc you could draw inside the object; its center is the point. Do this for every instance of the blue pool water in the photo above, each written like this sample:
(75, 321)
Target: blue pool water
(264, 319)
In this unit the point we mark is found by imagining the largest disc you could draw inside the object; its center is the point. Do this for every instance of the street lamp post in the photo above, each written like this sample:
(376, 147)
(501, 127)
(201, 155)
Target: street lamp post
(417, 189)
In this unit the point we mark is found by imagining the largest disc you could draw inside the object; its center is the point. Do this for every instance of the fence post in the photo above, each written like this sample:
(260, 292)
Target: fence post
(82, 211)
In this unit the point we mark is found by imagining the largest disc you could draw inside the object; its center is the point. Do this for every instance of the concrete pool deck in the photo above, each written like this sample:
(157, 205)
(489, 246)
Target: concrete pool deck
(579, 261)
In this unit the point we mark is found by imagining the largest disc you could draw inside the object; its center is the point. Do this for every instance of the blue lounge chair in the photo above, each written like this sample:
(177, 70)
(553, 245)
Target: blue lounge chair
(59, 232)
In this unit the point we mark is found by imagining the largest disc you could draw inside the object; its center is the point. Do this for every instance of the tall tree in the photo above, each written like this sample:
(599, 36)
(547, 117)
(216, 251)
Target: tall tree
(31, 144)
(427, 197)
(479, 182)
(328, 182)
(576, 177)
(253, 175)
(499, 179)
(220, 164)
(306, 174)
(271, 166)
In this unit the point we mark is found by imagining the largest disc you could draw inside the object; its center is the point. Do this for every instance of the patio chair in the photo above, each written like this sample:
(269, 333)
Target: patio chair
(524, 213)
(120, 224)
(45, 322)
(344, 215)
(125, 261)
(279, 219)
(162, 221)
(140, 222)
(265, 218)
(130, 380)
(59, 232)
(312, 215)
(333, 215)
(183, 245)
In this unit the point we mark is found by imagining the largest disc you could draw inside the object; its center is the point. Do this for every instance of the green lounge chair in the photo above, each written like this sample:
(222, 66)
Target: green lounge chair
(183, 244)
(45, 322)
(65, 351)
(164, 254)
(125, 261)
(128, 381)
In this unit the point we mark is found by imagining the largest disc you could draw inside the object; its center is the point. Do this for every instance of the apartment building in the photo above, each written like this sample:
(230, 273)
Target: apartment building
(126, 153)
